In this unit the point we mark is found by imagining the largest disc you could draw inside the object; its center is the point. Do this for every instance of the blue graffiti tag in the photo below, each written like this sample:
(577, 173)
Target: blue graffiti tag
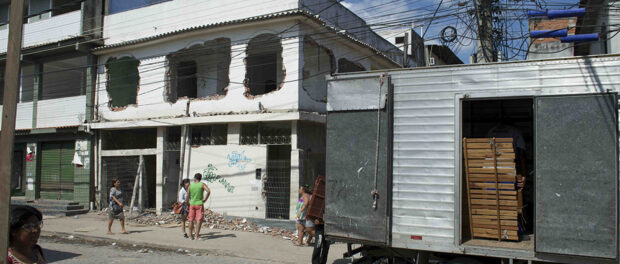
(211, 177)
(239, 160)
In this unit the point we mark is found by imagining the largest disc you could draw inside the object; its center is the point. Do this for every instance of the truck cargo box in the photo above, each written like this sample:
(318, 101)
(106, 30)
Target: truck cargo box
(562, 113)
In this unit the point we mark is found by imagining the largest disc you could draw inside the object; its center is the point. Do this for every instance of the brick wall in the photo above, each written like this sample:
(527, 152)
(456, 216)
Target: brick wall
(544, 24)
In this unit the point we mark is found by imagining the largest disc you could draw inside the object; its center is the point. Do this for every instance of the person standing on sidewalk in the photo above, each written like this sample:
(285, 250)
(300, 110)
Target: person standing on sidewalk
(302, 206)
(115, 210)
(196, 197)
(181, 199)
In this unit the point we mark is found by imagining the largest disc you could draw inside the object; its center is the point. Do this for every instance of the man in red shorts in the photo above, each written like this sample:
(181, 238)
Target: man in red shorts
(196, 197)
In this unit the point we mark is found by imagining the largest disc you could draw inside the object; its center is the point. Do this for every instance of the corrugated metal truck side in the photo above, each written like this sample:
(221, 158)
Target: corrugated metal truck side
(566, 111)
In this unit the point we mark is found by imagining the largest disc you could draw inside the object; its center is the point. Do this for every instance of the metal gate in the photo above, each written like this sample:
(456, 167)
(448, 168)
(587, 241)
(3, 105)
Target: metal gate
(57, 172)
(278, 184)
(123, 169)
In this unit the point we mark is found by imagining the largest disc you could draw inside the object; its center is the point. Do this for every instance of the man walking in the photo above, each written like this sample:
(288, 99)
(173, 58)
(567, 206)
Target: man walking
(195, 195)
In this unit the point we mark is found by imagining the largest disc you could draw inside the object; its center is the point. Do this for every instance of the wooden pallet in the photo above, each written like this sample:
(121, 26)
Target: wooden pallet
(491, 178)
(316, 207)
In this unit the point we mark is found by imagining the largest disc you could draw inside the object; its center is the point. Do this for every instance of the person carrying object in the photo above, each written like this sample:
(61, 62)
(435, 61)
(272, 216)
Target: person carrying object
(302, 207)
(115, 210)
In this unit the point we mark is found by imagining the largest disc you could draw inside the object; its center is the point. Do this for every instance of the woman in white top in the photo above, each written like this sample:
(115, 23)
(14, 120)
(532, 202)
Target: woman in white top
(181, 199)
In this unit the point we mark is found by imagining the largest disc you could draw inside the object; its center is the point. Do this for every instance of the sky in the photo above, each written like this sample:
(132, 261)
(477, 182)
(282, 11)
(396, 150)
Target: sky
(425, 15)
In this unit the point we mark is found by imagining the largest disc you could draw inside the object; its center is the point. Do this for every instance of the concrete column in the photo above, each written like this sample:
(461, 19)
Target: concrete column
(36, 91)
(32, 188)
(186, 139)
(91, 84)
(295, 152)
(97, 165)
(159, 174)
(234, 133)
(81, 180)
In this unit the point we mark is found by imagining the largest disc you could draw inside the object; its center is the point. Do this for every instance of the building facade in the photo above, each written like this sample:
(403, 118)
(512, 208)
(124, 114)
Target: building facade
(236, 92)
(52, 156)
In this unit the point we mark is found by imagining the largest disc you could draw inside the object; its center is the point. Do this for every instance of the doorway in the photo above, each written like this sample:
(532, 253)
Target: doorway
(125, 169)
(502, 118)
(278, 182)
(56, 170)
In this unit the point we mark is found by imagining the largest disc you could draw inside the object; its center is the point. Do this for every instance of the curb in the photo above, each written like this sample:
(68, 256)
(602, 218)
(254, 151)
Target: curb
(100, 241)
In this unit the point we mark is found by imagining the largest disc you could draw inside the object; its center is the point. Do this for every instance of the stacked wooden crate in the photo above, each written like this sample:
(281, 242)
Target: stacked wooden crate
(491, 188)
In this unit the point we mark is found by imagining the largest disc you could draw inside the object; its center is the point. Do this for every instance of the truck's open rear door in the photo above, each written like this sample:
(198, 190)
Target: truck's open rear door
(577, 175)
(350, 165)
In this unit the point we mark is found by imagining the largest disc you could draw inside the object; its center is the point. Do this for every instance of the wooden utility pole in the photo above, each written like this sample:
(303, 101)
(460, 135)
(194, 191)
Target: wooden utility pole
(11, 88)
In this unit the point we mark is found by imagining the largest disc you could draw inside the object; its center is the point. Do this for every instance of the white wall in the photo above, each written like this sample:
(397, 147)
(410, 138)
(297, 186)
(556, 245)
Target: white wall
(246, 197)
(341, 49)
(48, 30)
(23, 116)
(181, 14)
(151, 101)
(339, 16)
(66, 111)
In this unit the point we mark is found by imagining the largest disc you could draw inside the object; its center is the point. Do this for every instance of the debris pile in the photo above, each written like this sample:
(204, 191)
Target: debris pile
(212, 221)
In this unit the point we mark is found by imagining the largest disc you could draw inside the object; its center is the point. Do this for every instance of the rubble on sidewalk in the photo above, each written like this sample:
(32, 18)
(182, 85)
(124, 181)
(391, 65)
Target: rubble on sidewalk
(212, 221)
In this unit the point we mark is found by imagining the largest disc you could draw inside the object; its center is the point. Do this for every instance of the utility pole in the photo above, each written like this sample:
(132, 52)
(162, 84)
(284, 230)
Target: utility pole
(11, 88)
(486, 44)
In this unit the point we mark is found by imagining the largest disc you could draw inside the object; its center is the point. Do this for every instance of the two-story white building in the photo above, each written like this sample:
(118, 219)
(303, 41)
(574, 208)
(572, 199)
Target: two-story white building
(57, 74)
(235, 91)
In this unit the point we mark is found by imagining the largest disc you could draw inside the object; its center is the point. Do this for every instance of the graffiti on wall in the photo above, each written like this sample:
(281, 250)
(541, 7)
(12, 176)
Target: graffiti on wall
(238, 159)
(211, 177)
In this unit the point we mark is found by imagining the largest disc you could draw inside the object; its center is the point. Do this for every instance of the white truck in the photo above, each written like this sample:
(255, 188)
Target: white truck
(395, 180)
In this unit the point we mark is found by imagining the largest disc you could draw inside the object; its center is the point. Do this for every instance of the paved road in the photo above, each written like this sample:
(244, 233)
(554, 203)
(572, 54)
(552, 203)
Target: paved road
(61, 252)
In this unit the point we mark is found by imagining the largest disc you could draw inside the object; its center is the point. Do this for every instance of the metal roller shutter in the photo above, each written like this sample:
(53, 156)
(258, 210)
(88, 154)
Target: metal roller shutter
(67, 170)
(57, 172)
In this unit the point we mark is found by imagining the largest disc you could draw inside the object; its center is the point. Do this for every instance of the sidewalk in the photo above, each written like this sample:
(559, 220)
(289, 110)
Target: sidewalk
(93, 227)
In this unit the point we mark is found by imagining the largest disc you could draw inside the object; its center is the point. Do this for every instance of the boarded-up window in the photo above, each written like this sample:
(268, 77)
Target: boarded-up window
(345, 65)
(63, 78)
(264, 70)
(122, 81)
(200, 71)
